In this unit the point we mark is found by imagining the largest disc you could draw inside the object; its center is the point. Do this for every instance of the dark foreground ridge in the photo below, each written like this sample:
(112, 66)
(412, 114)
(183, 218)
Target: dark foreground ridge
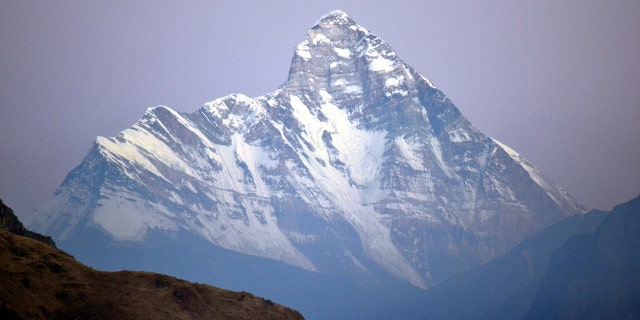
(39, 281)
(9, 222)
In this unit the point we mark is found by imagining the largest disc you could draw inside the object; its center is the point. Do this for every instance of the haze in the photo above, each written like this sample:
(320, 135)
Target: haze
(555, 80)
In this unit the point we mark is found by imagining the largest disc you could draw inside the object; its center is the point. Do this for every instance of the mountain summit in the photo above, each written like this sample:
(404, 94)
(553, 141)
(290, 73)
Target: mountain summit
(356, 165)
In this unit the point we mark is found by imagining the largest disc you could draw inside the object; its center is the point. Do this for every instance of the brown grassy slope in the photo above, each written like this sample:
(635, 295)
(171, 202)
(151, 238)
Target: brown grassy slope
(38, 281)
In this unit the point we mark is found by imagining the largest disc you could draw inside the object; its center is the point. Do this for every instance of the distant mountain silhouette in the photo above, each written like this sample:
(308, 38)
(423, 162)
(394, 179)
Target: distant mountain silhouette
(595, 276)
(505, 287)
(580, 268)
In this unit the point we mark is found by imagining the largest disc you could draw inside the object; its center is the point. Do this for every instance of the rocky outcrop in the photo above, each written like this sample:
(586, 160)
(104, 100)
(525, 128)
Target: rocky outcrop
(9, 222)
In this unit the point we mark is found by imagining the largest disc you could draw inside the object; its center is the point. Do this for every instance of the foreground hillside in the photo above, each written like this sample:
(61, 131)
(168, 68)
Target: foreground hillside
(38, 281)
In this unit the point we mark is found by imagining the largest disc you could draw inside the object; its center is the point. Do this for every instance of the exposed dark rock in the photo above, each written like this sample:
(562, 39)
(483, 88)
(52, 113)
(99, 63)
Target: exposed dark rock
(9, 222)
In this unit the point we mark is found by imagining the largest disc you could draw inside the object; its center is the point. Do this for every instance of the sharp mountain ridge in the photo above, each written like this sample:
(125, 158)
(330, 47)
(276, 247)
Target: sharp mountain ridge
(356, 163)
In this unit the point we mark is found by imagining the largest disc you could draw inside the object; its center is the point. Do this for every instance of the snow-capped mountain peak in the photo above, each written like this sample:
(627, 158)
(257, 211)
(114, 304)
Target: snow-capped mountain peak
(336, 16)
(356, 163)
(337, 50)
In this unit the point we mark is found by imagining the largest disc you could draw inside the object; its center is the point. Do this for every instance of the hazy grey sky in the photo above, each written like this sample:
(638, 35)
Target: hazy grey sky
(556, 80)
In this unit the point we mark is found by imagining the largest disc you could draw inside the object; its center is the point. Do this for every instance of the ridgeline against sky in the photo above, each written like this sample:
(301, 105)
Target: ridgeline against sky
(555, 80)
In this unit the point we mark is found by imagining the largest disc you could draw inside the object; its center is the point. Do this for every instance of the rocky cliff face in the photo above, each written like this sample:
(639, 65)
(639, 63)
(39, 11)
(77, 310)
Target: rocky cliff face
(9, 222)
(356, 163)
